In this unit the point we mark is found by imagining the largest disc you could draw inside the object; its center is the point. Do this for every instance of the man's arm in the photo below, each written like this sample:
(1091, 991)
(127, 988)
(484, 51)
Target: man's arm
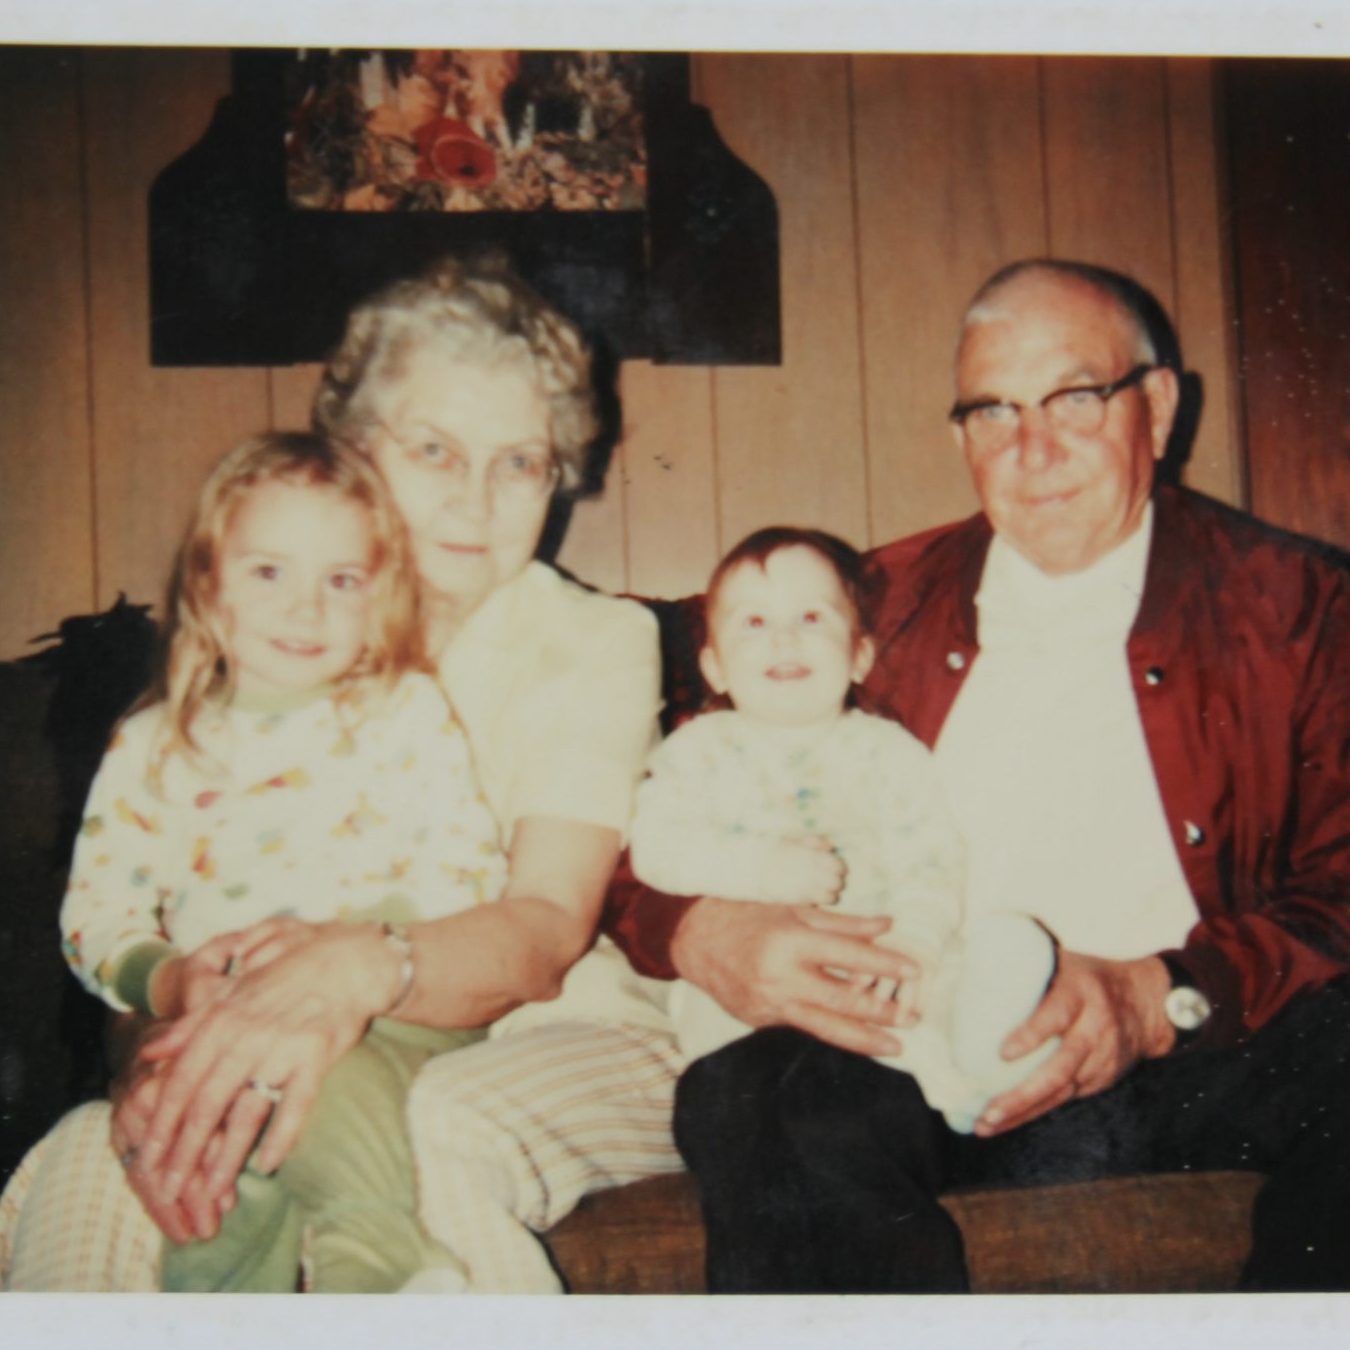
(1288, 928)
(766, 964)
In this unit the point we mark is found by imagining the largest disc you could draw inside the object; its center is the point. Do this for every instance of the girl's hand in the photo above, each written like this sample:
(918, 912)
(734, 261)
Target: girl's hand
(263, 1051)
(184, 983)
(803, 871)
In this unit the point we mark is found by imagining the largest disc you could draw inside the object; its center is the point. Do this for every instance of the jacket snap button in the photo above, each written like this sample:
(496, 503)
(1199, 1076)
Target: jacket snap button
(1194, 834)
(1153, 676)
(956, 661)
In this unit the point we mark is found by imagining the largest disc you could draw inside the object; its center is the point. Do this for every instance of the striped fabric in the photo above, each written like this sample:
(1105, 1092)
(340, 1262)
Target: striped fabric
(510, 1134)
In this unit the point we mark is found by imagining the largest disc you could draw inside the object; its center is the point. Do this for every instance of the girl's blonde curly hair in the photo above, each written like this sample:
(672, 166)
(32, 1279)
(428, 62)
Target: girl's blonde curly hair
(476, 311)
(196, 666)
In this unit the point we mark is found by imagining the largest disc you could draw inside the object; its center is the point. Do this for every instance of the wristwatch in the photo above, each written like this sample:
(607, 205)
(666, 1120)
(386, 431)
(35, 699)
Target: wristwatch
(1185, 1007)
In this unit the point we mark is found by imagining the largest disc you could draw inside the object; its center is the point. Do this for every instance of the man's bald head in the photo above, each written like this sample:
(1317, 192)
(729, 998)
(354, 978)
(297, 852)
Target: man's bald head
(1129, 299)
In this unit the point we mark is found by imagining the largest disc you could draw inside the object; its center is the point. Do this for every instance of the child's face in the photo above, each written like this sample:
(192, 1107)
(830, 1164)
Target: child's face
(295, 574)
(782, 644)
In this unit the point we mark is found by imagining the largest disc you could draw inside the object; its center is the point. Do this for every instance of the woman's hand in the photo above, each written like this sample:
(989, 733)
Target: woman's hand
(771, 964)
(135, 1094)
(183, 984)
(260, 1052)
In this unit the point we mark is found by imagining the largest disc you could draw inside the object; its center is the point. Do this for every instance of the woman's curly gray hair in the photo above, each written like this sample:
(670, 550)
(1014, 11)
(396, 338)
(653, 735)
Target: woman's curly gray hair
(475, 310)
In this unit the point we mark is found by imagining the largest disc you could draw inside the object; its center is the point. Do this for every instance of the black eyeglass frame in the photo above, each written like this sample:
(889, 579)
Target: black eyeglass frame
(1105, 392)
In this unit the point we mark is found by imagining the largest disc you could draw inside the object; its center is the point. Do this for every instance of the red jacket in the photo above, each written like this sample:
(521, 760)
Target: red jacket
(1240, 657)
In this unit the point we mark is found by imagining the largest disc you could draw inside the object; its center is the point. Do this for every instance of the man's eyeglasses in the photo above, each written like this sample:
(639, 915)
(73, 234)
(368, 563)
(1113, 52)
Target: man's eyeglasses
(1078, 410)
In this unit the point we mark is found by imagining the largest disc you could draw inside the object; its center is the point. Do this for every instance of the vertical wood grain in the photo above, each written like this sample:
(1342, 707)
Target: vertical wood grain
(290, 395)
(901, 182)
(1289, 126)
(594, 549)
(156, 431)
(46, 525)
(1203, 307)
(671, 474)
(949, 179)
(1107, 180)
(790, 438)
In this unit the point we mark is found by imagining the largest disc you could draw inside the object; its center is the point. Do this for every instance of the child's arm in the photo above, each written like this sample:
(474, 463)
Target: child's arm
(111, 934)
(677, 846)
(120, 879)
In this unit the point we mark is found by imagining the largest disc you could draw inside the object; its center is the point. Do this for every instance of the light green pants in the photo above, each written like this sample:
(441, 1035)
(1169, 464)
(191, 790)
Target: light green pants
(347, 1191)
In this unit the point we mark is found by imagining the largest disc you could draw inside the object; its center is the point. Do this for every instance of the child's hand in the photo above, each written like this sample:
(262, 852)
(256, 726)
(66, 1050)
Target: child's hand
(803, 871)
(183, 983)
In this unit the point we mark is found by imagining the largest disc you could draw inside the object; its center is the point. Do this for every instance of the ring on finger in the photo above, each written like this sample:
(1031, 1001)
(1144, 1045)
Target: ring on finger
(271, 1091)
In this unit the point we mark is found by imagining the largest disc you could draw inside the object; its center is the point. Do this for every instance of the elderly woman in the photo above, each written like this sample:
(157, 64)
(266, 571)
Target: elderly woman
(473, 397)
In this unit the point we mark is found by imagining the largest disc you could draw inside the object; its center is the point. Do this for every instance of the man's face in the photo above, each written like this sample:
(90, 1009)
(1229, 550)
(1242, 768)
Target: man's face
(1062, 499)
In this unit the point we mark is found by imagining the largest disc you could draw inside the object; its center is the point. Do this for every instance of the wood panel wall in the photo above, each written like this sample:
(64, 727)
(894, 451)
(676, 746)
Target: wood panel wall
(1290, 133)
(901, 182)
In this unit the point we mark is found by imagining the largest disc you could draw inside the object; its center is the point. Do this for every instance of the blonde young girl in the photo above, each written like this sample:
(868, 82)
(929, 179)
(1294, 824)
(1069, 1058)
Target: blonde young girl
(298, 764)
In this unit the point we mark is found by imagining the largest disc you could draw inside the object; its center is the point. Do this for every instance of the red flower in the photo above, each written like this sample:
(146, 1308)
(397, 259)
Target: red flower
(448, 151)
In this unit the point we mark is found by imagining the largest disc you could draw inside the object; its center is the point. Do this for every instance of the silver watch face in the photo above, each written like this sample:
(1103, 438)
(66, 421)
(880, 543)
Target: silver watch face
(1187, 1009)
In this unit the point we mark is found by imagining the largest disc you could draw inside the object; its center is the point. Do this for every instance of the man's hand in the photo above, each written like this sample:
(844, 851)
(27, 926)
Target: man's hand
(1108, 1015)
(811, 968)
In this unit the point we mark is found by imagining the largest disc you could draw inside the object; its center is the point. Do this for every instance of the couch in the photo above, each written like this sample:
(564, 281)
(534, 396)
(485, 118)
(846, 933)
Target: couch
(1171, 1233)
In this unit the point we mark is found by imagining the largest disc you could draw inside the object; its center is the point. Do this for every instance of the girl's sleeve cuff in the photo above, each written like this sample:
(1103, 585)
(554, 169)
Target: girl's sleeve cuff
(130, 981)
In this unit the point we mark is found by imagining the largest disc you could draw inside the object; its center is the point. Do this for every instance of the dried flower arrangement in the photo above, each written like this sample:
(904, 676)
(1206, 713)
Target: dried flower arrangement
(465, 131)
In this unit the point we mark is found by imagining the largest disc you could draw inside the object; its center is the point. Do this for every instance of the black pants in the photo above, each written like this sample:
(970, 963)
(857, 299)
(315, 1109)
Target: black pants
(820, 1170)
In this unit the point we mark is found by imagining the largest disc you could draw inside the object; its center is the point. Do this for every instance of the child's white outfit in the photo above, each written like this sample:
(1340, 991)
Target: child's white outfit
(723, 791)
(354, 806)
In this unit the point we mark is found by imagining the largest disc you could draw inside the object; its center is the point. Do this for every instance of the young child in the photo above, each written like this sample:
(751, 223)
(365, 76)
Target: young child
(791, 796)
(295, 763)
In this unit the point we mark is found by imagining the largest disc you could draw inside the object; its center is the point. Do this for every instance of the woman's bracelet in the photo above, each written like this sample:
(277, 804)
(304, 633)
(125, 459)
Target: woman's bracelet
(397, 937)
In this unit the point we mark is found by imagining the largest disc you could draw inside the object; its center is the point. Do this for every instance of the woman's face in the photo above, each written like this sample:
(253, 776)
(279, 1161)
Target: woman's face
(464, 447)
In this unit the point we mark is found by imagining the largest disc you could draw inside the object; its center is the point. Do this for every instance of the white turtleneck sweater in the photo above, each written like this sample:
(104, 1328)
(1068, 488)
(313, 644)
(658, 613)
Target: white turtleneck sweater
(1044, 760)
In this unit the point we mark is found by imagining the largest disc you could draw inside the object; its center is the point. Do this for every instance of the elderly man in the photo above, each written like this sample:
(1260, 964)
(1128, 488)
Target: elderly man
(1140, 706)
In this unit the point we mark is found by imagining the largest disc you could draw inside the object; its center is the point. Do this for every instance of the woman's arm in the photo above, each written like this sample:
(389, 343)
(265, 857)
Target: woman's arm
(471, 968)
(284, 1026)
